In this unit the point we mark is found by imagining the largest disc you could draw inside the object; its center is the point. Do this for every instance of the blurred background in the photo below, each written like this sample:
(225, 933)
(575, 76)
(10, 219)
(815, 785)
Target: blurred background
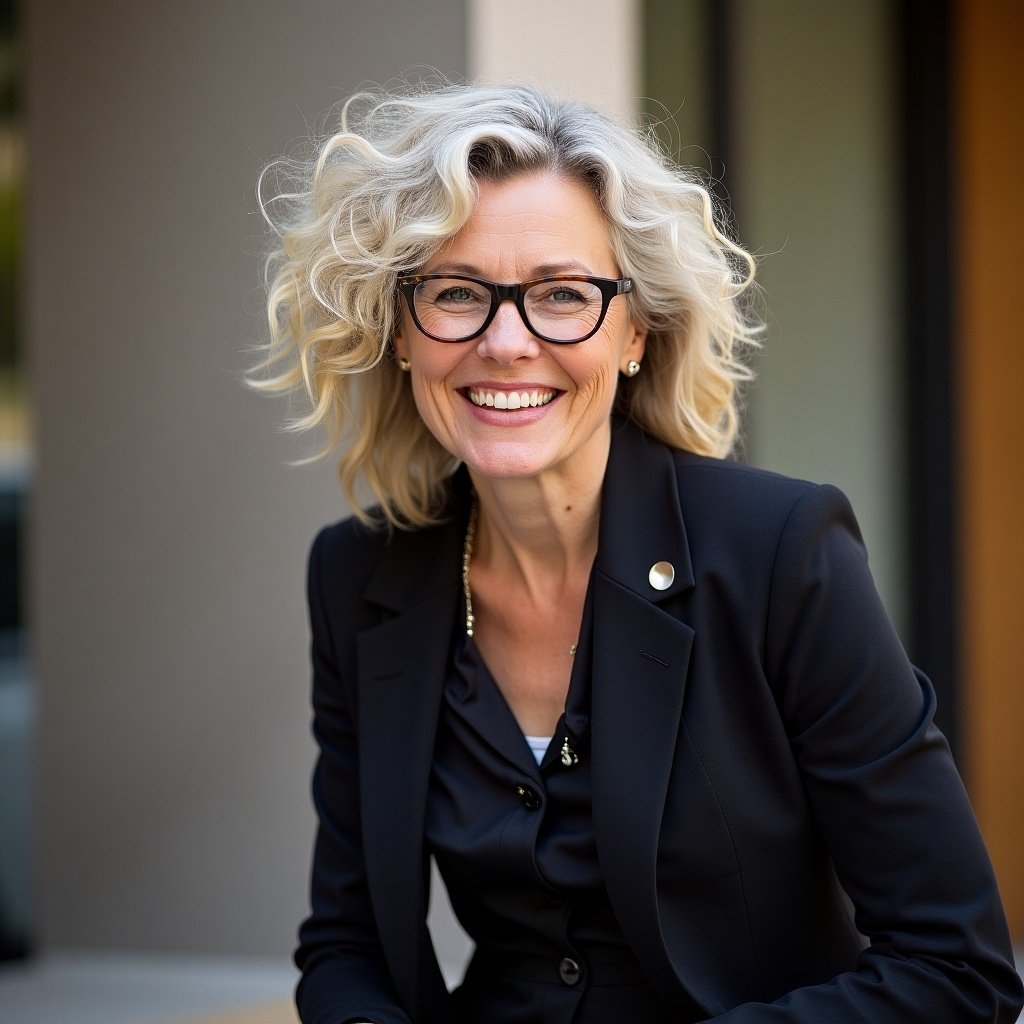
(155, 827)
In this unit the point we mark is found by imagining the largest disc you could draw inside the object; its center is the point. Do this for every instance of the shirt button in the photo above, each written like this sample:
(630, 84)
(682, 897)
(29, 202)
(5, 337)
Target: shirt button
(569, 971)
(528, 797)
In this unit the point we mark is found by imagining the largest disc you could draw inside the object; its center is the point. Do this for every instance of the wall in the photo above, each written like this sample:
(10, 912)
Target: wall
(168, 534)
(584, 49)
(815, 195)
(989, 369)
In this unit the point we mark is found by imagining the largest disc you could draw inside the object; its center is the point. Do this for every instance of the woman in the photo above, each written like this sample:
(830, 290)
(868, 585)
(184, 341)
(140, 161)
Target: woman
(641, 704)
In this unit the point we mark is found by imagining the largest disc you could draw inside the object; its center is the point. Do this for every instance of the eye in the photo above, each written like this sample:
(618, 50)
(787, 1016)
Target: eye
(459, 293)
(563, 296)
(451, 295)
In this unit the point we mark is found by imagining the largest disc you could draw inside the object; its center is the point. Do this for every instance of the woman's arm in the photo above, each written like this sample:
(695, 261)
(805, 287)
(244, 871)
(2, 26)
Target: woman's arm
(885, 793)
(344, 977)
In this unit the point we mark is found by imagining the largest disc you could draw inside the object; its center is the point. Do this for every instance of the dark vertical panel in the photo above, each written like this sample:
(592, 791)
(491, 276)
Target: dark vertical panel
(675, 71)
(924, 39)
(688, 61)
(720, 15)
(14, 738)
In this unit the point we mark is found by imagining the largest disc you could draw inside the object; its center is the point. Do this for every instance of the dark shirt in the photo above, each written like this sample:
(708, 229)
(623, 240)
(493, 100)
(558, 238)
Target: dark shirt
(514, 843)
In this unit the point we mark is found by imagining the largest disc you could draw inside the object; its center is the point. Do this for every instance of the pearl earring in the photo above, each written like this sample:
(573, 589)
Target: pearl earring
(632, 368)
(404, 365)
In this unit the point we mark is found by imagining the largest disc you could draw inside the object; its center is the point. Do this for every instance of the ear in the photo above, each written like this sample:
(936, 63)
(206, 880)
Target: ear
(398, 342)
(635, 345)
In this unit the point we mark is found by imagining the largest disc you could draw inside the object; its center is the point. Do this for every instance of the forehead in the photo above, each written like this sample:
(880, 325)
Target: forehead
(530, 222)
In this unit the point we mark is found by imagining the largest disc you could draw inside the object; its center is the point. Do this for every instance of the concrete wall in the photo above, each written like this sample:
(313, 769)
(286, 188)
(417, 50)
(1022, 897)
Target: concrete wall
(815, 190)
(168, 535)
(588, 50)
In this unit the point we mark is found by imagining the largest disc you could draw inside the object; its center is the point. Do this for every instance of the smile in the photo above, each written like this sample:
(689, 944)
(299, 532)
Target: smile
(510, 399)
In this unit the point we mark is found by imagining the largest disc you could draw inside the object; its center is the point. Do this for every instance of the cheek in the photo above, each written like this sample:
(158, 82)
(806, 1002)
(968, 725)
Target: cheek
(434, 399)
(425, 390)
(431, 361)
(596, 377)
(601, 382)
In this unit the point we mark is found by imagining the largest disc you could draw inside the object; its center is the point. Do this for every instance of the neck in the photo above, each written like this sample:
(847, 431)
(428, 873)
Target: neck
(543, 530)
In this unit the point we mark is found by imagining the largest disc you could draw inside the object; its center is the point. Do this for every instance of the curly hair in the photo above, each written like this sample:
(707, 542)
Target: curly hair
(381, 195)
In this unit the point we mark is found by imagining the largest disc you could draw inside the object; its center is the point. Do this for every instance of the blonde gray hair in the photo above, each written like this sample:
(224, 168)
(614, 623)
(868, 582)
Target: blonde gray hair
(383, 193)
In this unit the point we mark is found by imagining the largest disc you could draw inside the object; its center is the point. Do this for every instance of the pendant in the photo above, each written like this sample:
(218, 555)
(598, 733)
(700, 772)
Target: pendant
(569, 757)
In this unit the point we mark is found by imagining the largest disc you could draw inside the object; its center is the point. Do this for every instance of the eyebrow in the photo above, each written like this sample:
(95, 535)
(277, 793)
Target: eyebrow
(541, 270)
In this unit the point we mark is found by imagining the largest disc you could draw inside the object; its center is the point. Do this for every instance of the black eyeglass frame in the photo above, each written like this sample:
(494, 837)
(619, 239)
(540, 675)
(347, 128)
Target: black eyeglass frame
(609, 288)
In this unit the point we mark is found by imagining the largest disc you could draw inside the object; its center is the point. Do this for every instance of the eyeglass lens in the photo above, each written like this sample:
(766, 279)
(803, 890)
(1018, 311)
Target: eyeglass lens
(454, 308)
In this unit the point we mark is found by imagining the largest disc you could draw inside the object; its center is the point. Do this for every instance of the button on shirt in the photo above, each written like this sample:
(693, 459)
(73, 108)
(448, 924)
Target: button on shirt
(514, 843)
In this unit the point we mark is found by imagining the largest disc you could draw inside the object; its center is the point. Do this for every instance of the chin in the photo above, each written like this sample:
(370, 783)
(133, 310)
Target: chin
(507, 461)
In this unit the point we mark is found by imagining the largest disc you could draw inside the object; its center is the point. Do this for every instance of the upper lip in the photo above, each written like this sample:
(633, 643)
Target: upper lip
(516, 385)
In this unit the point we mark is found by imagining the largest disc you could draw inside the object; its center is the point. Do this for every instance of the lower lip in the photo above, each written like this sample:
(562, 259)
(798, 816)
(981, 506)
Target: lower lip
(510, 417)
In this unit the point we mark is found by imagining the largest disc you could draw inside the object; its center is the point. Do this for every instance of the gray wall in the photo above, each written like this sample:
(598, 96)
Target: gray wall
(168, 535)
(815, 178)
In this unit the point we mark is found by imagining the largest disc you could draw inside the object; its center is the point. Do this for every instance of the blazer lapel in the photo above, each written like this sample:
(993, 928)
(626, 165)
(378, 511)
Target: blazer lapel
(641, 658)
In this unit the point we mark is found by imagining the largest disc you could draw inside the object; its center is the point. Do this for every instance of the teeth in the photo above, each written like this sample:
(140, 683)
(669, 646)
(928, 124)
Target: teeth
(510, 400)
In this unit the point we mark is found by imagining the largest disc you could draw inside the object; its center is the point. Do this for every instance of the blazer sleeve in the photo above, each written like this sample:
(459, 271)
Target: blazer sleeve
(882, 786)
(344, 977)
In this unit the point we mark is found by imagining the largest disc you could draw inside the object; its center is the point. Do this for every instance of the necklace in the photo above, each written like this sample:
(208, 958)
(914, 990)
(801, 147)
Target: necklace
(467, 558)
(566, 755)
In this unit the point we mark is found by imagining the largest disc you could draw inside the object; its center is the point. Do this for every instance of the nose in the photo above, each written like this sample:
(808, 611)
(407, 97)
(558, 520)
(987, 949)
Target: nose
(507, 338)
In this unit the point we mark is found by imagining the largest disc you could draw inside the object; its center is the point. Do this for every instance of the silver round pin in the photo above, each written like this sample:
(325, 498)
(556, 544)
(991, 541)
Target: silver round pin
(661, 575)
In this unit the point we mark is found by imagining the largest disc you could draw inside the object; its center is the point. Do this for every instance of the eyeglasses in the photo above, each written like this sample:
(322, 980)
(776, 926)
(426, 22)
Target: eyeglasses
(564, 310)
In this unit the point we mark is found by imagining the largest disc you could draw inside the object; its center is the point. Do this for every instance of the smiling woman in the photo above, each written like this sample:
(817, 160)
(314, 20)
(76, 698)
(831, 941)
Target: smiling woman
(542, 407)
(641, 704)
(381, 201)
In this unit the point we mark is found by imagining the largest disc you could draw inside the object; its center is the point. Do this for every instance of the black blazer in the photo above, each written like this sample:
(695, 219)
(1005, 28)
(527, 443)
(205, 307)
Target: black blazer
(759, 739)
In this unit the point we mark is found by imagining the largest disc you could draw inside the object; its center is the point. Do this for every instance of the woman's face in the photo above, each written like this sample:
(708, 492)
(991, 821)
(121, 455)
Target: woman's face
(533, 226)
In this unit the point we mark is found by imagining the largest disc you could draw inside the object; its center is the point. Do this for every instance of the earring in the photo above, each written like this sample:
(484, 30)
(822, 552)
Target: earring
(632, 368)
(404, 365)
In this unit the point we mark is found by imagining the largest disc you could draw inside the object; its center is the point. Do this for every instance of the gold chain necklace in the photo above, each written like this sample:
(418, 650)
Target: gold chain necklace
(467, 558)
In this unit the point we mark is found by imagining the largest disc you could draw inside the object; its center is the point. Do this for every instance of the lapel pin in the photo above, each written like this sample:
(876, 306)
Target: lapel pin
(661, 575)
